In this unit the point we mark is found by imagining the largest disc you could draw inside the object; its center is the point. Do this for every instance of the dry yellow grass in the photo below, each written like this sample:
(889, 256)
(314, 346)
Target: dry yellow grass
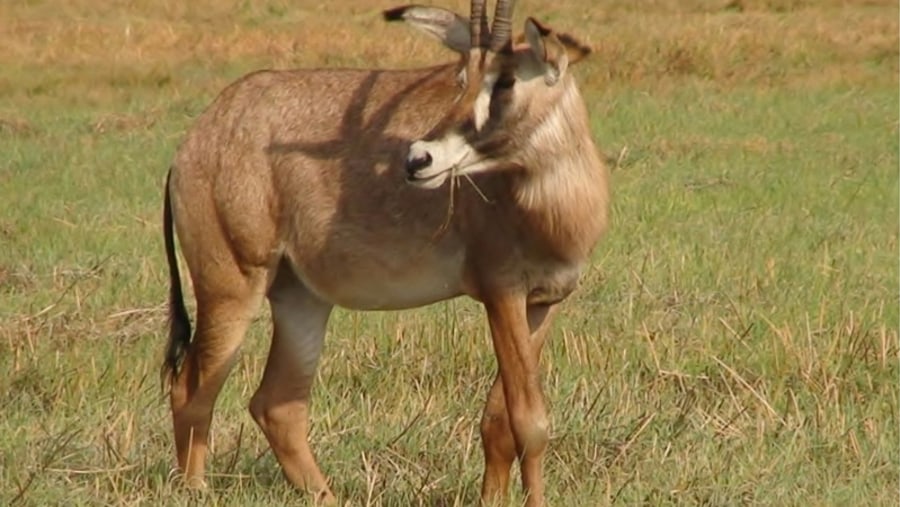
(77, 46)
(734, 343)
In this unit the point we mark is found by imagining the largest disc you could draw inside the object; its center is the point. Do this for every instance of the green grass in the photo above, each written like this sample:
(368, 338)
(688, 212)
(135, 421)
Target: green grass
(734, 342)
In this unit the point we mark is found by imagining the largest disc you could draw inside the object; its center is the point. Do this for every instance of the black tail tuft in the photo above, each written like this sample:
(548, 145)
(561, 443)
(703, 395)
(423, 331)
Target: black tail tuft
(179, 322)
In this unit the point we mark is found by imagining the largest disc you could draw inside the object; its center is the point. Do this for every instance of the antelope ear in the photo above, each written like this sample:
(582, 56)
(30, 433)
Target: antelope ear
(556, 50)
(446, 26)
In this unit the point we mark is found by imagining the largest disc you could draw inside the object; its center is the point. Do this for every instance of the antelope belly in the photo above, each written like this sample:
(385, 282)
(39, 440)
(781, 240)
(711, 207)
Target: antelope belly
(371, 288)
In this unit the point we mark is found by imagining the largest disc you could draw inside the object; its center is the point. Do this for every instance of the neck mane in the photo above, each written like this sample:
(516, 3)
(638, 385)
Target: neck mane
(562, 191)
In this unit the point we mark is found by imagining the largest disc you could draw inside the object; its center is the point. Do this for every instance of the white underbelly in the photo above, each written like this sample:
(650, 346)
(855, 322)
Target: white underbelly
(395, 293)
(381, 287)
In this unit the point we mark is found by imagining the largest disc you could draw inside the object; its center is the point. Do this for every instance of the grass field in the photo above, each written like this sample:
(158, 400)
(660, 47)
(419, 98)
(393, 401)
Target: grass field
(735, 341)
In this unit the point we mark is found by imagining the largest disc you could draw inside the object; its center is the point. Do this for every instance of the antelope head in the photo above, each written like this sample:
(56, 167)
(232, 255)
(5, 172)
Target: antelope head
(513, 92)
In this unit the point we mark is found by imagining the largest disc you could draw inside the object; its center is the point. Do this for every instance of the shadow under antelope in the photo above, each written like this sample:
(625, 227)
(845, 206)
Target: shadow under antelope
(316, 188)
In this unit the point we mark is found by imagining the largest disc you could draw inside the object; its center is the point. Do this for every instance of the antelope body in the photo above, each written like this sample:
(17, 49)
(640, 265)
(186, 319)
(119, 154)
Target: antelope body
(315, 188)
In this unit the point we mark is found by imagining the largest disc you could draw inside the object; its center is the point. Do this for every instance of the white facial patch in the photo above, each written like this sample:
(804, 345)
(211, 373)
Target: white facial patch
(445, 154)
(483, 101)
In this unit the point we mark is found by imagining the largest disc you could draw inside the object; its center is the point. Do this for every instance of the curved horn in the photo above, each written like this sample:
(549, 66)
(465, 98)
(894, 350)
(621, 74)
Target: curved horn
(478, 23)
(501, 31)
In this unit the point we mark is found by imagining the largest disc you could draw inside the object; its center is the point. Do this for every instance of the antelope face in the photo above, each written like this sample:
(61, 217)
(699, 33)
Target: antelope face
(510, 96)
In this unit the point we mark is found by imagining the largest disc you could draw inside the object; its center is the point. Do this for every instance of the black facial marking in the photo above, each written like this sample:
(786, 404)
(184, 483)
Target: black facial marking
(493, 138)
(505, 81)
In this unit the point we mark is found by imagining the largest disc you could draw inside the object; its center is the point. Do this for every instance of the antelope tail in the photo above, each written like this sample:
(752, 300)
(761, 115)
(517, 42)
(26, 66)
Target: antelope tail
(179, 322)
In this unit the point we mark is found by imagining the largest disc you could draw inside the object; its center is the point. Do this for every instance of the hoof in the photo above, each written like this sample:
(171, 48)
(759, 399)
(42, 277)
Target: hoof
(192, 483)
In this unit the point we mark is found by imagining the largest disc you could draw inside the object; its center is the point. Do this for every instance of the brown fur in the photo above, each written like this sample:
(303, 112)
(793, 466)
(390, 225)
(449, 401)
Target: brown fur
(291, 186)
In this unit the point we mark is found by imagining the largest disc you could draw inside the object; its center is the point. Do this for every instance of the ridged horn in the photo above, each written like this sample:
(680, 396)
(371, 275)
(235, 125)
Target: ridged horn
(478, 23)
(501, 31)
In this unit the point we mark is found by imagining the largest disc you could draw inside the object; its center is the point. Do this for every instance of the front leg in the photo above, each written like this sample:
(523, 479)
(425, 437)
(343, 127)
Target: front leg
(515, 418)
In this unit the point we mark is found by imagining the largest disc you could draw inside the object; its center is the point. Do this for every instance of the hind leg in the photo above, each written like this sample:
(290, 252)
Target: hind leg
(222, 320)
(281, 404)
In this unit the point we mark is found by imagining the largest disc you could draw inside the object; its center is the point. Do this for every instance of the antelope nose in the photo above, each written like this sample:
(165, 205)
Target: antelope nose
(415, 163)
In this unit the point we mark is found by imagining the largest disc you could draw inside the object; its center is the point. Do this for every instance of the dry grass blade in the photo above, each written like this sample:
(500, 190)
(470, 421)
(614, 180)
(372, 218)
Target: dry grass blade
(759, 397)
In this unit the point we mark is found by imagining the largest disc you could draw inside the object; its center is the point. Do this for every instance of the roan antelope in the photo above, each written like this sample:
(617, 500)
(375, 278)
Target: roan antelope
(316, 188)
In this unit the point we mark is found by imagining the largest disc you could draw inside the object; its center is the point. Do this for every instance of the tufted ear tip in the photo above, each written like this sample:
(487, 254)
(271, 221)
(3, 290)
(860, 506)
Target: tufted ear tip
(395, 13)
(576, 49)
(446, 26)
(551, 45)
